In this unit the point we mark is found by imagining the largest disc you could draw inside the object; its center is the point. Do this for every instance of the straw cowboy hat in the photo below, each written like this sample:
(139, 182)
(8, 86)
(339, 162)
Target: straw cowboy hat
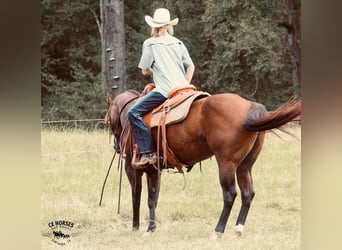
(161, 17)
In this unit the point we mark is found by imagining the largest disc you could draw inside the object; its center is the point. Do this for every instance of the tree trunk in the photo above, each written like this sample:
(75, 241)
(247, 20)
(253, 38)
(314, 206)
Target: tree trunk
(114, 46)
(294, 40)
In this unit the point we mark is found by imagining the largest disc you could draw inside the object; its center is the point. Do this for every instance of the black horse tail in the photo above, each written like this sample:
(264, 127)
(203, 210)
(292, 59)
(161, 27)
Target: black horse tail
(259, 119)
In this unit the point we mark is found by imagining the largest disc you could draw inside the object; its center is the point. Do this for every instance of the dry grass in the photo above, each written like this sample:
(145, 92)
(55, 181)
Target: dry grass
(74, 165)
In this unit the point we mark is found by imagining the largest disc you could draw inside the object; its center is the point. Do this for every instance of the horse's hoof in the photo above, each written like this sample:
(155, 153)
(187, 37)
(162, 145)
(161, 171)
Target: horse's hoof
(216, 236)
(135, 229)
(238, 230)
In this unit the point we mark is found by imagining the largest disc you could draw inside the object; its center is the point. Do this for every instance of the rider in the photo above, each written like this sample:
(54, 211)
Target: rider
(166, 58)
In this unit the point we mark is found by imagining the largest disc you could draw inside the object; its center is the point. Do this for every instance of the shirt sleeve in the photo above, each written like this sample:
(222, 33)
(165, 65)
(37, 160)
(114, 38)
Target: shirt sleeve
(147, 58)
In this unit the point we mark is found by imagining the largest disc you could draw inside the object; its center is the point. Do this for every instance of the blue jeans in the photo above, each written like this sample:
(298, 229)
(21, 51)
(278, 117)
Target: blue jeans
(141, 133)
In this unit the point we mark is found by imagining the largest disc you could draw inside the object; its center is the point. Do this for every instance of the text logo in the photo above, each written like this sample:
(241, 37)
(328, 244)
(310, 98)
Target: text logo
(61, 231)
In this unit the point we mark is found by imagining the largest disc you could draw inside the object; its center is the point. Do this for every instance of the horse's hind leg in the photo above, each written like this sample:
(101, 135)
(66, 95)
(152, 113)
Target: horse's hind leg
(153, 183)
(227, 181)
(245, 182)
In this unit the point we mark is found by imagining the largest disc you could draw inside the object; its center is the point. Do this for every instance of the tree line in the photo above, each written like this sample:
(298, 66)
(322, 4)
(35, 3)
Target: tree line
(247, 47)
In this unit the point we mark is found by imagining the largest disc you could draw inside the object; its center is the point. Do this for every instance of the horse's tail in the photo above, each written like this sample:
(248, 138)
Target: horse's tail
(258, 119)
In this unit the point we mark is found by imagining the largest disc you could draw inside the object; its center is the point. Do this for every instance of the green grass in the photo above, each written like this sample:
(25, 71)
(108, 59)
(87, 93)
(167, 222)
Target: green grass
(73, 169)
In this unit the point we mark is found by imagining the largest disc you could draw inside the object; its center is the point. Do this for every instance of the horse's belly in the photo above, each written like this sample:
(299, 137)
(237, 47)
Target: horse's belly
(190, 152)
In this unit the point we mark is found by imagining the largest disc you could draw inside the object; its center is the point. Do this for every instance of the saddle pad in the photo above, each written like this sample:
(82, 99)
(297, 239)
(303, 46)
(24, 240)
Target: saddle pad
(177, 113)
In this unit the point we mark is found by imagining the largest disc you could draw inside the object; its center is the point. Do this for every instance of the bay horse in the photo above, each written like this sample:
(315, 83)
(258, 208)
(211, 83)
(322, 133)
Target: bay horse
(226, 126)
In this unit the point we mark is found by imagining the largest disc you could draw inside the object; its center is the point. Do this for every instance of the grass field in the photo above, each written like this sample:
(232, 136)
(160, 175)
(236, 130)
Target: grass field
(73, 168)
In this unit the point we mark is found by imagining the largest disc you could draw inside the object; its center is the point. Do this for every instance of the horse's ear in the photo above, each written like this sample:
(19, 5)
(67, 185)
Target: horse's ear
(106, 118)
(108, 99)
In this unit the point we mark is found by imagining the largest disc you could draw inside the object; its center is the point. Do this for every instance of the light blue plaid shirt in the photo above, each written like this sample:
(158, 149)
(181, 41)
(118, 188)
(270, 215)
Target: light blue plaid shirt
(168, 58)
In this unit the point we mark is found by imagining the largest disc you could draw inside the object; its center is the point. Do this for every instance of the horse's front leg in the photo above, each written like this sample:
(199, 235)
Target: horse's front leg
(134, 177)
(227, 180)
(153, 183)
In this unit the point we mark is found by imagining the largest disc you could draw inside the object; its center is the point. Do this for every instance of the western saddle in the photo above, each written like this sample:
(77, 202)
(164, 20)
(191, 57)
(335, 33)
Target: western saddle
(175, 109)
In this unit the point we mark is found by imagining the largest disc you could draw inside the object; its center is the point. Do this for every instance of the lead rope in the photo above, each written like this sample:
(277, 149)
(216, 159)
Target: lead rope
(120, 163)
(104, 183)
(119, 196)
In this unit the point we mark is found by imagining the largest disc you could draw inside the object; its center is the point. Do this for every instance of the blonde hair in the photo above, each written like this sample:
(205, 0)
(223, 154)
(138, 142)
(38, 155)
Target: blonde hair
(159, 31)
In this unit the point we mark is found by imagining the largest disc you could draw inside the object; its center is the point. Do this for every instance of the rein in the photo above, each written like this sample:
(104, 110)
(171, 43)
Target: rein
(129, 101)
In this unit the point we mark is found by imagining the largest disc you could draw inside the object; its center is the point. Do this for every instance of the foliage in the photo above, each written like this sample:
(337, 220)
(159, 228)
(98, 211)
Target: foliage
(249, 53)
(70, 60)
(237, 46)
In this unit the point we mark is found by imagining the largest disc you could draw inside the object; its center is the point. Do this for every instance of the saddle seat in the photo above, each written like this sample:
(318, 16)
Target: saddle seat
(175, 108)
